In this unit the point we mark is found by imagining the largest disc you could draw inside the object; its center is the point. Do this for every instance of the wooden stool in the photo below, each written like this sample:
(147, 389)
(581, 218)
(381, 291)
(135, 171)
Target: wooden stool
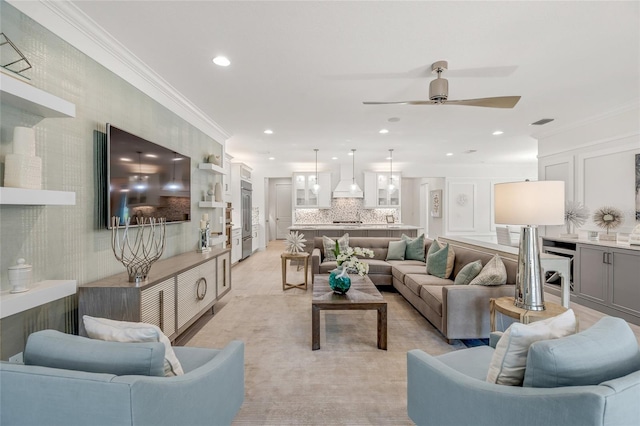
(505, 306)
(296, 256)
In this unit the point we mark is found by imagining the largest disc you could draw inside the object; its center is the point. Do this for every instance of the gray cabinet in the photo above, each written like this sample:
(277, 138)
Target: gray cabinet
(608, 279)
(179, 291)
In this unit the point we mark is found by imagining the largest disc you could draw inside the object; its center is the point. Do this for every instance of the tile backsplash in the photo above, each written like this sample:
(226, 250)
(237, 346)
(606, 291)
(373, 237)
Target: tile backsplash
(345, 209)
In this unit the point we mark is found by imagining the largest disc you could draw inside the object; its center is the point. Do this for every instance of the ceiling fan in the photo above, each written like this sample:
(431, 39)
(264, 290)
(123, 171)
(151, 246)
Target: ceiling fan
(439, 92)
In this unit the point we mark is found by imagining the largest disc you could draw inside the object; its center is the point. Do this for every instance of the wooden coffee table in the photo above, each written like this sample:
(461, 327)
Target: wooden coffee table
(362, 295)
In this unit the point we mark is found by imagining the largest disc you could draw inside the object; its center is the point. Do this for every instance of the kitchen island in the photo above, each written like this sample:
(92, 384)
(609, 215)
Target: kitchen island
(335, 230)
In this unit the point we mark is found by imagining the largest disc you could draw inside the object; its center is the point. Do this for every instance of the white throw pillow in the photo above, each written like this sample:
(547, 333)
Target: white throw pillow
(510, 357)
(131, 332)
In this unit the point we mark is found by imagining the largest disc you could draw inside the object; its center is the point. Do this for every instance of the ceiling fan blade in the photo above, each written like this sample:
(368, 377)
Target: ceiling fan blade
(419, 72)
(497, 102)
(484, 72)
(401, 103)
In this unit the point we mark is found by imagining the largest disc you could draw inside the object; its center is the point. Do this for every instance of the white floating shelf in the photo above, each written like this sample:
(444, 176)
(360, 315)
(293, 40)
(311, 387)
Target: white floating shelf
(24, 96)
(211, 168)
(38, 294)
(213, 241)
(36, 197)
(211, 204)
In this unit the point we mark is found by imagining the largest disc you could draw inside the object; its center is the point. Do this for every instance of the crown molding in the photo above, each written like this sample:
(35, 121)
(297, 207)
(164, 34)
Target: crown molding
(71, 24)
(628, 107)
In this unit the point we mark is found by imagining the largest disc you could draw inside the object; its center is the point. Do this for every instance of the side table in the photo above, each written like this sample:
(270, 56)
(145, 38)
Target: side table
(297, 256)
(505, 306)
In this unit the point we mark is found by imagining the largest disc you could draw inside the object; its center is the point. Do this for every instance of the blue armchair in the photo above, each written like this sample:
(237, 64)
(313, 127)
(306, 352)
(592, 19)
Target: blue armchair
(209, 393)
(589, 378)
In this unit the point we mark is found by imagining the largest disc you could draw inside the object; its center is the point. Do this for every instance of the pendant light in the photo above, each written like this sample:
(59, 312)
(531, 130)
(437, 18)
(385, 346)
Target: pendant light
(354, 187)
(140, 185)
(316, 186)
(172, 185)
(391, 187)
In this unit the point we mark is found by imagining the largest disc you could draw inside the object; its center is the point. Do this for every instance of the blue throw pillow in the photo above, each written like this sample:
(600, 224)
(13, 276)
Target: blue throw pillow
(415, 248)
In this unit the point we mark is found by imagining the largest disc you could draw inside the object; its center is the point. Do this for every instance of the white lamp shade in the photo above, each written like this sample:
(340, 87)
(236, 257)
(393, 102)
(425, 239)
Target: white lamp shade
(529, 203)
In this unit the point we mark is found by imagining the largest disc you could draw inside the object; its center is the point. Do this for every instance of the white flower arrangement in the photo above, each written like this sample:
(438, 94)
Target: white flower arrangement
(348, 260)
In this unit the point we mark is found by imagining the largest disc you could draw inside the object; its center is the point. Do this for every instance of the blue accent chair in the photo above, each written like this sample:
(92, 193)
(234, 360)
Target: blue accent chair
(589, 378)
(81, 381)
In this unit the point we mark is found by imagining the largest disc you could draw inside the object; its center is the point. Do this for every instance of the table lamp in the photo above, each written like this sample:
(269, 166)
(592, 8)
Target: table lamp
(529, 204)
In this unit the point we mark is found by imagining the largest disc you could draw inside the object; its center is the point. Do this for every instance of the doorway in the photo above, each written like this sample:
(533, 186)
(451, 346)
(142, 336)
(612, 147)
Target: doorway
(283, 210)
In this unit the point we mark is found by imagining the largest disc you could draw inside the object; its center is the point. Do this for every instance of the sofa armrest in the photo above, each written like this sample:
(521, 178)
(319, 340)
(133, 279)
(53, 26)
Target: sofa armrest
(316, 259)
(465, 309)
(494, 338)
(439, 395)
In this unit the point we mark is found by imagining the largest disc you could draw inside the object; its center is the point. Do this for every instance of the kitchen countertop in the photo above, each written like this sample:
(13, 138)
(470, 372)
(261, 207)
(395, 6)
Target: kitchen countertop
(363, 226)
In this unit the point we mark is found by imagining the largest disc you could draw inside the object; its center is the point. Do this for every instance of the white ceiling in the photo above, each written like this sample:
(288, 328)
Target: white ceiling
(304, 68)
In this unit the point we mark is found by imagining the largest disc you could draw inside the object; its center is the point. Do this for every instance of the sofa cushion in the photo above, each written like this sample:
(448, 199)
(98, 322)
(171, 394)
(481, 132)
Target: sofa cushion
(432, 295)
(440, 260)
(396, 250)
(326, 267)
(54, 349)
(510, 357)
(493, 273)
(605, 351)
(330, 245)
(400, 269)
(415, 281)
(131, 332)
(415, 247)
(468, 273)
(377, 266)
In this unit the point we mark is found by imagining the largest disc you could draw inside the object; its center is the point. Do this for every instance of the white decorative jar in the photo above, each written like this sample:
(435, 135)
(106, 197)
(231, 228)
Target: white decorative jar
(20, 276)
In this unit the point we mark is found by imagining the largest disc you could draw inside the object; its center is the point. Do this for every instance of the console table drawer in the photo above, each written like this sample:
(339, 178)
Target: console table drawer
(196, 292)
(158, 306)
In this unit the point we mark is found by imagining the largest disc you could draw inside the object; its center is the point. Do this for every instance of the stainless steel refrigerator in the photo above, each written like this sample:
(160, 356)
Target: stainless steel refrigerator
(247, 242)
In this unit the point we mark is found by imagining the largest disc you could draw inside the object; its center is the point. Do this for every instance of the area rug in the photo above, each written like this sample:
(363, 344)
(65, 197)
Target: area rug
(348, 381)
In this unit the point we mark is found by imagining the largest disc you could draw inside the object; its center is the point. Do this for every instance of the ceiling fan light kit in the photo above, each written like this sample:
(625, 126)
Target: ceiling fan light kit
(439, 94)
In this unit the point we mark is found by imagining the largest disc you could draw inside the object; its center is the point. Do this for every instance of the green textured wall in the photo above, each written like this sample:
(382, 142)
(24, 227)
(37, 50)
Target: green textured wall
(70, 242)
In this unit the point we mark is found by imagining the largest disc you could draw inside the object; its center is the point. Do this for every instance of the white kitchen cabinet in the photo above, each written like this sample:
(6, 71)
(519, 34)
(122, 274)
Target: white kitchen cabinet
(236, 245)
(376, 190)
(303, 194)
(255, 231)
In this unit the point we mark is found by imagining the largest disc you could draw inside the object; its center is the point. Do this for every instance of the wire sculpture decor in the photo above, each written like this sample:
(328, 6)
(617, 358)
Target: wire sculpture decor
(139, 253)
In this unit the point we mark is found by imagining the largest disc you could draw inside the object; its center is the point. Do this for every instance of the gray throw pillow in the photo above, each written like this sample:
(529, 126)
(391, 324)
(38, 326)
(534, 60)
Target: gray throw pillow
(493, 273)
(468, 273)
(415, 248)
(330, 245)
(440, 259)
(396, 250)
(605, 351)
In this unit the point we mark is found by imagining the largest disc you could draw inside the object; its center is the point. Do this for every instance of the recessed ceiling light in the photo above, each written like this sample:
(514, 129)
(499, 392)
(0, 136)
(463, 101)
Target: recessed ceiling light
(221, 61)
(334, 158)
(383, 131)
(268, 132)
(272, 158)
(497, 132)
(449, 154)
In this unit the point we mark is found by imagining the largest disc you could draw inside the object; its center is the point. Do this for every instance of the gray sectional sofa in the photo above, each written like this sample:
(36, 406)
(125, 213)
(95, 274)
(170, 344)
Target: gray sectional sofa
(457, 311)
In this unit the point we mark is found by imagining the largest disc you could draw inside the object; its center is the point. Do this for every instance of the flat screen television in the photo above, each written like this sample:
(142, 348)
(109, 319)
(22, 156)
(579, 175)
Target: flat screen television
(145, 179)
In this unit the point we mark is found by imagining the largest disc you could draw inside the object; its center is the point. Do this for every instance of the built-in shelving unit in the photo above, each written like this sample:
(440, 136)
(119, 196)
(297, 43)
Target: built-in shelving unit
(36, 197)
(24, 96)
(211, 168)
(39, 294)
(211, 204)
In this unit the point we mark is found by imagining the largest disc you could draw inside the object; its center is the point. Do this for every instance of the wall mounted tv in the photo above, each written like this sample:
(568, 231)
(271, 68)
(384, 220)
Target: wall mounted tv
(145, 179)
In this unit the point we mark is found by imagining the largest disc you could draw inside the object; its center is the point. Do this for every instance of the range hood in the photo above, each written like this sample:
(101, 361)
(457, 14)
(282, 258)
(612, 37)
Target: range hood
(343, 189)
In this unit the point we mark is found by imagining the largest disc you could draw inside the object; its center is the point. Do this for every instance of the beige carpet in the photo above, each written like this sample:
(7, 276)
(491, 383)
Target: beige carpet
(348, 381)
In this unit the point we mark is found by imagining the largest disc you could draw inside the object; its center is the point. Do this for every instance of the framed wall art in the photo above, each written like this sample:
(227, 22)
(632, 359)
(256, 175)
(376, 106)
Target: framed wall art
(436, 202)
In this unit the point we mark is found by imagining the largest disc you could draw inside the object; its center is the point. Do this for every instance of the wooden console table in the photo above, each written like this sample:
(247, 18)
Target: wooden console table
(179, 291)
